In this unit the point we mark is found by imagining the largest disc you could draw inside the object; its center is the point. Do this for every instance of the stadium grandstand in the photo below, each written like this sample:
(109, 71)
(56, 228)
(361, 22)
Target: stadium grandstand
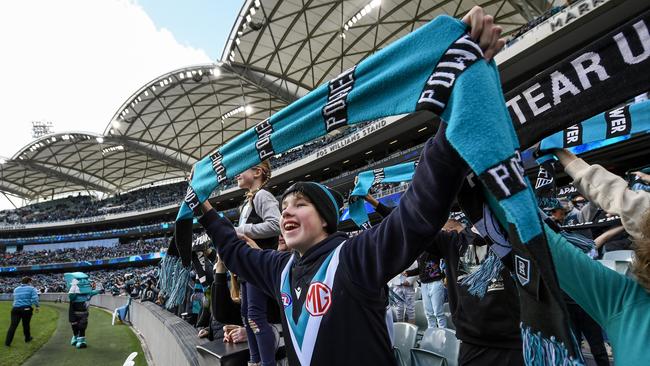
(110, 205)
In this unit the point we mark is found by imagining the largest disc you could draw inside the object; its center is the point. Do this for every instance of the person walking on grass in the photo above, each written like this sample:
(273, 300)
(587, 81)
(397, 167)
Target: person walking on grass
(25, 296)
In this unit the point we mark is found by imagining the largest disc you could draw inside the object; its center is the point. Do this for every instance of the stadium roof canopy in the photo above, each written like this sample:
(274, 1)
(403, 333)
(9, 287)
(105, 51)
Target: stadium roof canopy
(277, 51)
(306, 43)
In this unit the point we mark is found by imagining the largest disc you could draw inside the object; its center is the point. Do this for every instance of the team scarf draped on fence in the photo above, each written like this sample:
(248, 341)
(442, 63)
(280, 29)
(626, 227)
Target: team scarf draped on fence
(603, 74)
(440, 69)
(391, 174)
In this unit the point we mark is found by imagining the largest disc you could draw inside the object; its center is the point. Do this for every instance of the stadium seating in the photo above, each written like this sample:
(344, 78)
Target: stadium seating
(619, 255)
(442, 342)
(405, 336)
(420, 316)
(618, 260)
(450, 322)
(80, 254)
(422, 357)
(75, 207)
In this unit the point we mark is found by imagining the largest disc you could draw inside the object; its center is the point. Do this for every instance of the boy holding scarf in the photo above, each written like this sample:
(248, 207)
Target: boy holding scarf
(332, 288)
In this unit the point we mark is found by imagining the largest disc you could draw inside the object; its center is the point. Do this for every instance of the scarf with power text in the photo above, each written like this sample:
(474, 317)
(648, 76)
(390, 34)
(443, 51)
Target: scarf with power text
(618, 123)
(385, 83)
(201, 264)
(446, 74)
(615, 125)
(391, 174)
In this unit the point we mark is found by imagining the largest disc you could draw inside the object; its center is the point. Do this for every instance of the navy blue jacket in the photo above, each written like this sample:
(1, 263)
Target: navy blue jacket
(353, 328)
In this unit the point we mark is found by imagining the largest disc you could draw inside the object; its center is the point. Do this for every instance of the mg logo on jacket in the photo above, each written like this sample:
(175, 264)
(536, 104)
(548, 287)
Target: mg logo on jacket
(319, 299)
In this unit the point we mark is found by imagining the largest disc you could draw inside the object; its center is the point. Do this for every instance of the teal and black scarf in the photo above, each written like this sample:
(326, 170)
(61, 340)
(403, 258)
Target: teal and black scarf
(390, 174)
(613, 126)
(440, 69)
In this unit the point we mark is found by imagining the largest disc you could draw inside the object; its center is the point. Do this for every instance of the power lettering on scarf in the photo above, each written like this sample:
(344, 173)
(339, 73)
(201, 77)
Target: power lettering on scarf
(335, 111)
(618, 122)
(218, 167)
(191, 198)
(263, 145)
(461, 54)
(505, 178)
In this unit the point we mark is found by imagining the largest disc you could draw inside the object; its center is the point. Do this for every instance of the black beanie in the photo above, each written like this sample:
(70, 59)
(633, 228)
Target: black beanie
(327, 201)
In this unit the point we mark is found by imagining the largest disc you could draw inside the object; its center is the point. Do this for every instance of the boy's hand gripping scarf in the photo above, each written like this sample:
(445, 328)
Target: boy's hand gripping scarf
(390, 174)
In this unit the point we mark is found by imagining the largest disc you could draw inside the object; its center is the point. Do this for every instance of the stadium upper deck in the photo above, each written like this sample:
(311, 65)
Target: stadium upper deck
(277, 51)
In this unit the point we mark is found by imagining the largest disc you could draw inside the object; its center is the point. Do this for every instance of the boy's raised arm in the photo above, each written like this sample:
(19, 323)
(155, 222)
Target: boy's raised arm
(387, 249)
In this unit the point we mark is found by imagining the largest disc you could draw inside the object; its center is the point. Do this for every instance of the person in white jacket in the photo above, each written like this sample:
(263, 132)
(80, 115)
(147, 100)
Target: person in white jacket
(404, 287)
(611, 193)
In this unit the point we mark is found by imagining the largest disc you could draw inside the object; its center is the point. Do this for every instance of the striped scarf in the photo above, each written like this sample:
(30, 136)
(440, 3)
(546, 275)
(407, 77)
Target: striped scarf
(437, 68)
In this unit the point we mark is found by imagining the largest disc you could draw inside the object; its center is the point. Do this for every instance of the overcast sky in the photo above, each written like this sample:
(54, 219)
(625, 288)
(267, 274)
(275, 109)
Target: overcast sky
(74, 62)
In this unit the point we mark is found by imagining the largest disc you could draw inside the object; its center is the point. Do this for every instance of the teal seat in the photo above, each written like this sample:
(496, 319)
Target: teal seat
(405, 335)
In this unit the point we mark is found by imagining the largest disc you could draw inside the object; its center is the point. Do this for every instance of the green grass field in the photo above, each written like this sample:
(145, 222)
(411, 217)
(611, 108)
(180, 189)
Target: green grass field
(107, 345)
(43, 325)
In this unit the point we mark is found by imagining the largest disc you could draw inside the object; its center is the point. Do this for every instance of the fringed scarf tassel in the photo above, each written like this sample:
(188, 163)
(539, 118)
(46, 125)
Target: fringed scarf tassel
(479, 280)
(540, 351)
(180, 278)
(167, 265)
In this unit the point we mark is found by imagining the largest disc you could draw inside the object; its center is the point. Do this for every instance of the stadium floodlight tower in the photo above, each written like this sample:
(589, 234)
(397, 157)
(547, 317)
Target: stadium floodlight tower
(40, 128)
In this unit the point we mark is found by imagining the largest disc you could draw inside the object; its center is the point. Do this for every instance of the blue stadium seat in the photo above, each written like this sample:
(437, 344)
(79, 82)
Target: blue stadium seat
(405, 335)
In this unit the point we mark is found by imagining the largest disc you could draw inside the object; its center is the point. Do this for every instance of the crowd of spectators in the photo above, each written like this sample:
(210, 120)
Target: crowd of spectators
(88, 235)
(534, 23)
(115, 281)
(76, 207)
(81, 254)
